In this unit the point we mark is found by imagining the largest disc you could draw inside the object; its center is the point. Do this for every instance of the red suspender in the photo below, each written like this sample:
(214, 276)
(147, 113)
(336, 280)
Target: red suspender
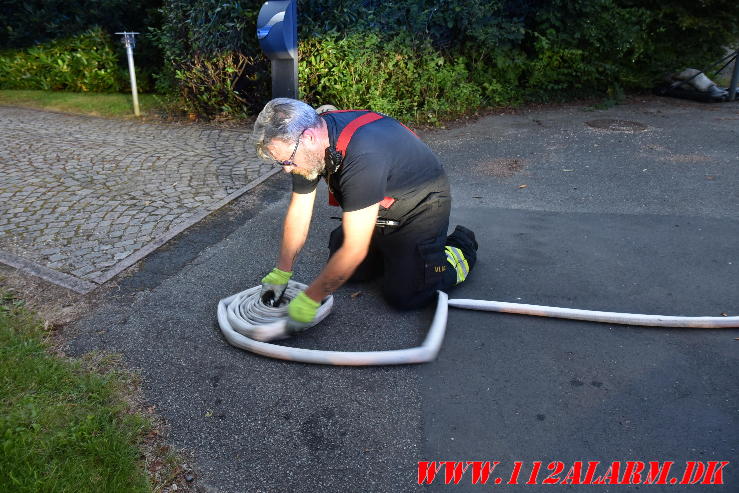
(346, 134)
(343, 142)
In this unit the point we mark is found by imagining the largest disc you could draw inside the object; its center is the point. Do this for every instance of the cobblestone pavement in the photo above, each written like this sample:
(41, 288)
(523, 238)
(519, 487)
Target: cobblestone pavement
(83, 198)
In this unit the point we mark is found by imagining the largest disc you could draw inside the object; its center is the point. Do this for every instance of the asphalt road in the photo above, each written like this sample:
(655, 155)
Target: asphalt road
(566, 215)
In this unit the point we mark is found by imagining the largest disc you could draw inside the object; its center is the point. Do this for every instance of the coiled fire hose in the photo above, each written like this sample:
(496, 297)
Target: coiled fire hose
(248, 324)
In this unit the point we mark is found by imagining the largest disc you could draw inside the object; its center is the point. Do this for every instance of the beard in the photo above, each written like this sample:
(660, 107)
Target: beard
(314, 168)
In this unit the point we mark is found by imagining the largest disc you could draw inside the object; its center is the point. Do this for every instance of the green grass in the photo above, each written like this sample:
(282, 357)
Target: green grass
(63, 428)
(95, 104)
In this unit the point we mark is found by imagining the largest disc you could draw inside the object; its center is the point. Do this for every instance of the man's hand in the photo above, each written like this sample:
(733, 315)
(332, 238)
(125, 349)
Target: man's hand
(302, 311)
(273, 286)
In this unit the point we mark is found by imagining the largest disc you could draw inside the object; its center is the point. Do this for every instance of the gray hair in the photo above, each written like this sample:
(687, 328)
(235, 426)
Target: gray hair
(282, 119)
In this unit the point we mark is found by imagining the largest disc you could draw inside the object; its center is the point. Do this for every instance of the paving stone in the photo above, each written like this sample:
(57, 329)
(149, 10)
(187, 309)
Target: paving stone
(122, 255)
(81, 194)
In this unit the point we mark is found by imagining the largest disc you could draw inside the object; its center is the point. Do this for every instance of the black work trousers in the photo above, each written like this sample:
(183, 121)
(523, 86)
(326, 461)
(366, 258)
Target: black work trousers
(410, 257)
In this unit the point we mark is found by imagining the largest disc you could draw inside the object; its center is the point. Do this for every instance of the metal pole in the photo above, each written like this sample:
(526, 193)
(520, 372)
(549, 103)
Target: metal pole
(130, 42)
(734, 77)
(134, 90)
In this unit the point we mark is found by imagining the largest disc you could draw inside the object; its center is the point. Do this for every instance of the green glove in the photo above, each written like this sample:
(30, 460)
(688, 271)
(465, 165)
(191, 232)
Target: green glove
(273, 286)
(301, 310)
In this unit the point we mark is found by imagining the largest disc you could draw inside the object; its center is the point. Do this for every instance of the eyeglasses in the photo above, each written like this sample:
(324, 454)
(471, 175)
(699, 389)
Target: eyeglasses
(289, 161)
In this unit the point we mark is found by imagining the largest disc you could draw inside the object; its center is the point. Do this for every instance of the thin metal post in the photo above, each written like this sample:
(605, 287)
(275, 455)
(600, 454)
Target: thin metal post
(130, 42)
(734, 77)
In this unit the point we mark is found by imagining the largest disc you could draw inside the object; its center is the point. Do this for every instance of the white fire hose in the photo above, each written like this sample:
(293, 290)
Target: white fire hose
(248, 324)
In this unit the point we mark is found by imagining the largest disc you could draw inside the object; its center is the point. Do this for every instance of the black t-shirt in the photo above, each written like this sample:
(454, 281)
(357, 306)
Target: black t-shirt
(383, 159)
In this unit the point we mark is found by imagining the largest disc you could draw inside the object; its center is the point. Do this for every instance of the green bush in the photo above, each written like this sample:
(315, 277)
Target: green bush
(686, 33)
(591, 47)
(449, 26)
(581, 48)
(409, 72)
(424, 60)
(498, 74)
(363, 71)
(484, 35)
(215, 86)
(84, 63)
(485, 52)
(212, 63)
(30, 22)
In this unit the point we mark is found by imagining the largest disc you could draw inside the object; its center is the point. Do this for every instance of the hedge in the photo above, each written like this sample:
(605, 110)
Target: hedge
(420, 60)
(426, 60)
(84, 63)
